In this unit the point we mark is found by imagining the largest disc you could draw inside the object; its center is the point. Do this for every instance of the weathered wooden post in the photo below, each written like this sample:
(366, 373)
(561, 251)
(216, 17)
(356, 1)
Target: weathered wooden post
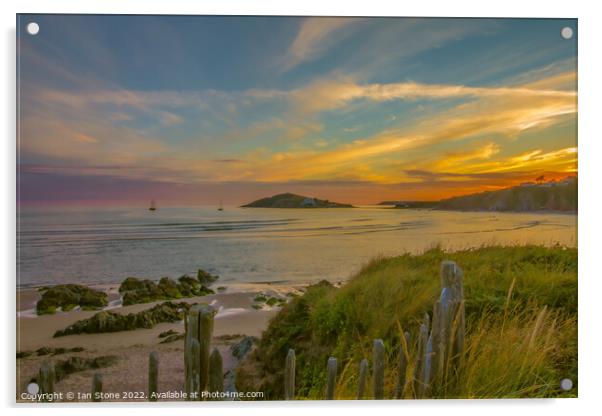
(438, 340)
(378, 369)
(199, 327)
(404, 349)
(420, 356)
(332, 377)
(361, 385)
(153, 376)
(46, 379)
(216, 372)
(191, 322)
(289, 376)
(452, 278)
(453, 314)
(192, 371)
(97, 387)
(427, 368)
(206, 315)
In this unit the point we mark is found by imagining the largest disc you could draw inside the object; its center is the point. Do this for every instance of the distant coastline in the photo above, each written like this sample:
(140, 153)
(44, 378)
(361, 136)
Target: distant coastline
(548, 197)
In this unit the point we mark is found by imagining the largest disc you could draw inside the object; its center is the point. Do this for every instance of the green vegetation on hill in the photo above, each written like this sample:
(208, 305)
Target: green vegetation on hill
(521, 324)
(294, 201)
(545, 196)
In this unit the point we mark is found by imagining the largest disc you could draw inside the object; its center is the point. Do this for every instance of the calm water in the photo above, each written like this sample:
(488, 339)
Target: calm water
(252, 245)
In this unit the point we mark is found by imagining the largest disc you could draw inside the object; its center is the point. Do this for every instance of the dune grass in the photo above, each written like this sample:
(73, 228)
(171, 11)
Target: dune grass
(521, 325)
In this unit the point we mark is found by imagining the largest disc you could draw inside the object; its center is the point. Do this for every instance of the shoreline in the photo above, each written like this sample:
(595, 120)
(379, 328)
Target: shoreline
(542, 211)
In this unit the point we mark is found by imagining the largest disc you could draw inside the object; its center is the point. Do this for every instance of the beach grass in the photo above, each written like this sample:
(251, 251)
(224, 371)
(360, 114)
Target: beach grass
(521, 325)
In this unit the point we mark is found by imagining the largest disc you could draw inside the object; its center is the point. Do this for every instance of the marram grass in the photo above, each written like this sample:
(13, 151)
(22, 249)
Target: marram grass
(521, 326)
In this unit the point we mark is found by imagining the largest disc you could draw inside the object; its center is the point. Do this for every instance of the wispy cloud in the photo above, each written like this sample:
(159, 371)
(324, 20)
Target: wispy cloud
(316, 35)
(330, 94)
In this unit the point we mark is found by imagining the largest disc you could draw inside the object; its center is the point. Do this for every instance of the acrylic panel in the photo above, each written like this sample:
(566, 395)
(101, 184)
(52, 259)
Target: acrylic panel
(295, 208)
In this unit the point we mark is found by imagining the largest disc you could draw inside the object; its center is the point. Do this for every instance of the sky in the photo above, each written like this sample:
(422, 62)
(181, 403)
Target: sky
(198, 110)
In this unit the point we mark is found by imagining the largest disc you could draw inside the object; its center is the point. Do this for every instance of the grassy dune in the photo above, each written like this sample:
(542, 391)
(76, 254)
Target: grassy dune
(521, 317)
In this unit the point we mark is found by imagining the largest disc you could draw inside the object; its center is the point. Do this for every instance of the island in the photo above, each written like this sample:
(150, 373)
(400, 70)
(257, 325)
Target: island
(288, 200)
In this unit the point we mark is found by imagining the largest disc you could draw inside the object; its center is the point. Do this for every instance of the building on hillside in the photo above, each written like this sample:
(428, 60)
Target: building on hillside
(308, 202)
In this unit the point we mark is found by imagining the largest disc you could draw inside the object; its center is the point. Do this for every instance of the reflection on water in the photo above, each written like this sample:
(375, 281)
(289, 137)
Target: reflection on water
(254, 244)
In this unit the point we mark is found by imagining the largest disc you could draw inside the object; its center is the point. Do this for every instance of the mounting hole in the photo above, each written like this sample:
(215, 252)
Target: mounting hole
(566, 384)
(33, 28)
(566, 32)
(33, 388)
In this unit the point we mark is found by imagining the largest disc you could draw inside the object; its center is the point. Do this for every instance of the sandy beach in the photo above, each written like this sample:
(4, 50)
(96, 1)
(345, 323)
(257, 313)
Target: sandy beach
(235, 319)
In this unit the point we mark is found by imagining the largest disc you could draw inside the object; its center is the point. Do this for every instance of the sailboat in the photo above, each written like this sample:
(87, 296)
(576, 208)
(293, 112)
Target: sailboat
(221, 206)
(153, 206)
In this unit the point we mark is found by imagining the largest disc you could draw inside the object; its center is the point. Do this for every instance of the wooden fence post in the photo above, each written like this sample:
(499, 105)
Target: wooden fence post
(46, 379)
(191, 322)
(206, 315)
(438, 338)
(453, 319)
(420, 356)
(289, 376)
(192, 373)
(378, 369)
(404, 349)
(428, 363)
(97, 387)
(199, 327)
(216, 372)
(153, 376)
(332, 376)
(361, 385)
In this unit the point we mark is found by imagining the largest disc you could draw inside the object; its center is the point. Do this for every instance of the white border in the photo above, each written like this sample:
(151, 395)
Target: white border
(590, 202)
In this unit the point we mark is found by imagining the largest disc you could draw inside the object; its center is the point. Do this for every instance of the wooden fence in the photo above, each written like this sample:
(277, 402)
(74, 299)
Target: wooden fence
(433, 357)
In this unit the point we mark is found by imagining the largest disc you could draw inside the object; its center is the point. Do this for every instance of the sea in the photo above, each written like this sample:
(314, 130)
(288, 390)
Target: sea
(253, 245)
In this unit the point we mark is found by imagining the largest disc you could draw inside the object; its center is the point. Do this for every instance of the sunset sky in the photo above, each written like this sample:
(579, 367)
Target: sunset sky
(118, 110)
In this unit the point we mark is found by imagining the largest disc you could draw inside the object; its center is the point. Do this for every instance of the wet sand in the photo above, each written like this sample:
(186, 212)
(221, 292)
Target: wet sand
(235, 318)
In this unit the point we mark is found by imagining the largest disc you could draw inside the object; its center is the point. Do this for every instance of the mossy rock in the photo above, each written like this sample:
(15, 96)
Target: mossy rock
(108, 321)
(272, 301)
(167, 333)
(135, 284)
(76, 364)
(241, 348)
(43, 351)
(192, 287)
(68, 297)
(136, 290)
(205, 278)
(173, 338)
(169, 288)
